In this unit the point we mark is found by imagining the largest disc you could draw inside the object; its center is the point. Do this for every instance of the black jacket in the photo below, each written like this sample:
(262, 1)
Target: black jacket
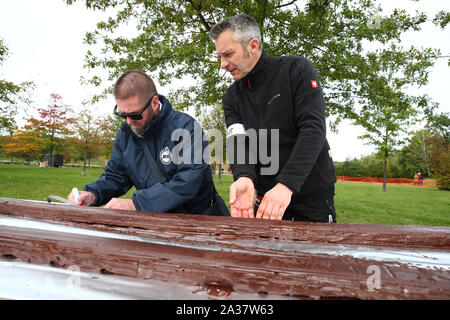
(284, 93)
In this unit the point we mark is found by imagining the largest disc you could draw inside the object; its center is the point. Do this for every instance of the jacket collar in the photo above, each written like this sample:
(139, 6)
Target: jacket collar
(252, 77)
(165, 110)
(158, 123)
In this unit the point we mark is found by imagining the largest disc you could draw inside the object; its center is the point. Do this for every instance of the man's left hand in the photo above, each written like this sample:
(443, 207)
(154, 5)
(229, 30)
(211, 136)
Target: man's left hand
(274, 203)
(120, 204)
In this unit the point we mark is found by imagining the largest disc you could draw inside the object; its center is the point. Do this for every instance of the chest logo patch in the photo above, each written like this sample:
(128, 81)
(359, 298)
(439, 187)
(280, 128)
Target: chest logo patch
(165, 156)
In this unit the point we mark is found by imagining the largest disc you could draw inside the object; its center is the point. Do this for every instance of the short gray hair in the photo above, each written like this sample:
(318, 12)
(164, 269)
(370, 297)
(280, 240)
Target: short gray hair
(245, 29)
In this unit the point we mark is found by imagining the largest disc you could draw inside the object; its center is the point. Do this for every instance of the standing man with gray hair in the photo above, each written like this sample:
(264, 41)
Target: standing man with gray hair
(282, 94)
(143, 157)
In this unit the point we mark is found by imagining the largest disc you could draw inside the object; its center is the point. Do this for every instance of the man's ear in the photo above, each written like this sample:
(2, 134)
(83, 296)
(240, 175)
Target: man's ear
(253, 45)
(155, 103)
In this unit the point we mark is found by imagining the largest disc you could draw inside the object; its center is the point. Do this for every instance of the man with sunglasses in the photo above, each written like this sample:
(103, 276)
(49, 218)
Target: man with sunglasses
(142, 156)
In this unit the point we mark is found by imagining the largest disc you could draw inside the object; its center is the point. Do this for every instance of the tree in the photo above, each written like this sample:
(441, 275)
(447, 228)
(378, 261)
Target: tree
(439, 144)
(440, 161)
(171, 42)
(108, 126)
(9, 124)
(439, 125)
(11, 94)
(417, 152)
(369, 86)
(387, 110)
(350, 167)
(24, 144)
(53, 123)
(214, 125)
(371, 166)
(87, 133)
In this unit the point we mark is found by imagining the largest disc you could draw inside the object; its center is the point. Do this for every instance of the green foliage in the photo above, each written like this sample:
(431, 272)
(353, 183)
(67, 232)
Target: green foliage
(442, 19)
(213, 123)
(440, 161)
(169, 40)
(426, 151)
(351, 168)
(387, 110)
(87, 135)
(367, 166)
(439, 125)
(11, 94)
(108, 126)
(92, 137)
(8, 124)
(415, 155)
(438, 144)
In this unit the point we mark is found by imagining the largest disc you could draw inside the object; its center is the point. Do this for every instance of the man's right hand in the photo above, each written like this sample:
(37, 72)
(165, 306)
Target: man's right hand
(86, 198)
(242, 196)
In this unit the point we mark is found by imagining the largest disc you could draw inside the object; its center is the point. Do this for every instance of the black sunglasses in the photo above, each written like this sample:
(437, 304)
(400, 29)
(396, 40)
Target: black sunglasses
(134, 115)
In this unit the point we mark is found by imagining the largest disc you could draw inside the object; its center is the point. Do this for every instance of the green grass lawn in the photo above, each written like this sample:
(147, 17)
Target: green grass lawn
(355, 203)
(366, 203)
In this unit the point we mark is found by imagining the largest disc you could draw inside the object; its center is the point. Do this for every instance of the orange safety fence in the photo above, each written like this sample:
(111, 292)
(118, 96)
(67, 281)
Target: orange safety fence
(375, 179)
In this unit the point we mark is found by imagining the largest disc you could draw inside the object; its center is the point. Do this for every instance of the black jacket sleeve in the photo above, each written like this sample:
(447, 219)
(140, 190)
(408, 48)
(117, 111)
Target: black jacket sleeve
(235, 143)
(309, 113)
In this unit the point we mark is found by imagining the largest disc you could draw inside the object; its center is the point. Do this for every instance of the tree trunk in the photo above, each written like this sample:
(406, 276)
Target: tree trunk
(51, 149)
(50, 160)
(219, 177)
(385, 174)
(84, 162)
(424, 147)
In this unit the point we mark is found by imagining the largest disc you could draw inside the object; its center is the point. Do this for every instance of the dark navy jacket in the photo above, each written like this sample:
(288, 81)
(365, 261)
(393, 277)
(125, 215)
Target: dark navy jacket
(189, 184)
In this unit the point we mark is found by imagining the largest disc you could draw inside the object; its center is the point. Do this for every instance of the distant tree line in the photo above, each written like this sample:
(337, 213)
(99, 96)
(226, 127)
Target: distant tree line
(77, 135)
(426, 151)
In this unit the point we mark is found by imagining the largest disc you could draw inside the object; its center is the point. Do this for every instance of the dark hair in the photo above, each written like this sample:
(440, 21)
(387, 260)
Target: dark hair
(133, 83)
(245, 29)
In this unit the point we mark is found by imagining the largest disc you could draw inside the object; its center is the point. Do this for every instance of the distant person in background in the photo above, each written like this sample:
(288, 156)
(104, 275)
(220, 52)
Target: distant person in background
(420, 179)
(416, 179)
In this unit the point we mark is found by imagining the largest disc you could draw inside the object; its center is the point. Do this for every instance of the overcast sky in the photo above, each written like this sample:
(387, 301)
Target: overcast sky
(45, 40)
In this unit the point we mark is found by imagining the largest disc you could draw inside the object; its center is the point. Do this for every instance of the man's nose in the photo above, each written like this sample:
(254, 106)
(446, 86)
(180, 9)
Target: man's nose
(129, 121)
(223, 64)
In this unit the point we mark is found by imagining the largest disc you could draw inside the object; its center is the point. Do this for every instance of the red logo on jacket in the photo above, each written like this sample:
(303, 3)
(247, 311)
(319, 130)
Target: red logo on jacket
(314, 84)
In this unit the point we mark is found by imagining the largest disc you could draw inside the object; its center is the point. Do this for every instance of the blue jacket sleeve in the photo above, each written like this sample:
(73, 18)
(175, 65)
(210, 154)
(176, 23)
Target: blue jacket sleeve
(114, 181)
(185, 184)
